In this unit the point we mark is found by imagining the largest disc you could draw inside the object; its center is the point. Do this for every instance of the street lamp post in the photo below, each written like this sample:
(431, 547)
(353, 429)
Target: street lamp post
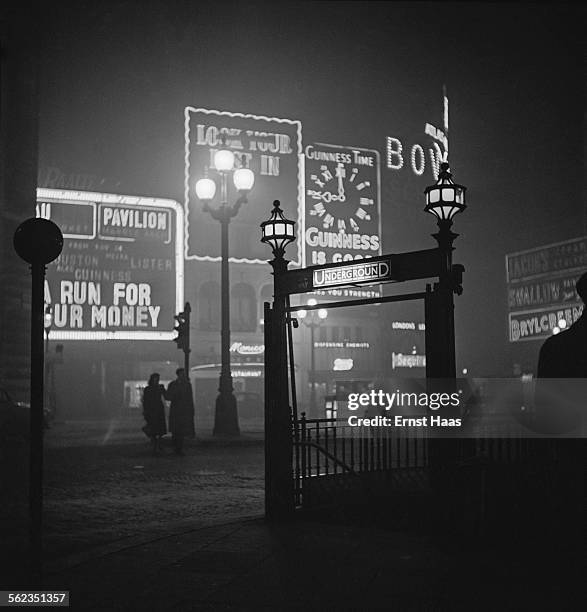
(277, 232)
(312, 324)
(226, 416)
(444, 200)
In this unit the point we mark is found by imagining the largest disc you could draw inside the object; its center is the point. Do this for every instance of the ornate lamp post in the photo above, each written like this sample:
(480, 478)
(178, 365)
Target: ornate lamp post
(311, 322)
(277, 232)
(226, 417)
(444, 200)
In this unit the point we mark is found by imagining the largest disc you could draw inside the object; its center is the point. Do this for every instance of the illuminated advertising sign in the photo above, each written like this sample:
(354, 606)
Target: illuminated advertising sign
(541, 288)
(365, 272)
(272, 149)
(120, 274)
(343, 204)
(413, 151)
(540, 323)
(399, 360)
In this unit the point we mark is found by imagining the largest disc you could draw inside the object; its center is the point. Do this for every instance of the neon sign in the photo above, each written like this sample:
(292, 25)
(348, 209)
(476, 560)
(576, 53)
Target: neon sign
(343, 204)
(270, 147)
(120, 274)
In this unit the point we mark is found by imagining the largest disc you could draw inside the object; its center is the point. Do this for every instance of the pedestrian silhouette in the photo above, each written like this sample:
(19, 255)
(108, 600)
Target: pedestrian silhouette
(154, 412)
(564, 355)
(559, 403)
(181, 411)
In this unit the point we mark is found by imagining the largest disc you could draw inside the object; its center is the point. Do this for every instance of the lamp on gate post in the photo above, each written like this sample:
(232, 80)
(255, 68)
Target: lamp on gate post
(312, 323)
(444, 200)
(226, 416)
(277, 232)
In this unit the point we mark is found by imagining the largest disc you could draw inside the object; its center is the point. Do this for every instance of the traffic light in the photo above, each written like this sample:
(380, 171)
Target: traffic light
(183, 329)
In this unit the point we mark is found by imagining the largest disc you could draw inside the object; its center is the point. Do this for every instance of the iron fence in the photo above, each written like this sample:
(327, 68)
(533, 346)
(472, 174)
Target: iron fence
(327, 448)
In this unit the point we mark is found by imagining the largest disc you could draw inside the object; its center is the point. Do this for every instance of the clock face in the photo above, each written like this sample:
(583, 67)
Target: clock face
(342, 204)
(342, 196)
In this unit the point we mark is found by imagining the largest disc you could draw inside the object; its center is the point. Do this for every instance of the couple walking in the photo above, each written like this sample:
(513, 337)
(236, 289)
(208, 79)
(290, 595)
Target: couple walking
(181, 410)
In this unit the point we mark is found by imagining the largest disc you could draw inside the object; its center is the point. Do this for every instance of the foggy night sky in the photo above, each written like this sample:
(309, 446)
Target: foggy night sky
(116, 76)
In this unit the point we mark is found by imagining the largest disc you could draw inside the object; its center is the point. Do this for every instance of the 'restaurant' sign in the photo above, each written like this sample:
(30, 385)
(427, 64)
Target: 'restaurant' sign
(541, 288)
(120, 274)
(365, 272)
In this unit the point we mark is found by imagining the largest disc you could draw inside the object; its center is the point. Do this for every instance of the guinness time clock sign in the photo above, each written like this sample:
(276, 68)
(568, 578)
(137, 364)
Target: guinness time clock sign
(343, 209)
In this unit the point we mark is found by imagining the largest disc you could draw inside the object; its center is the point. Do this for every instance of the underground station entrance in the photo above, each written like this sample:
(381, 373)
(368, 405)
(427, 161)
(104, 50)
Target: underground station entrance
(317, 462)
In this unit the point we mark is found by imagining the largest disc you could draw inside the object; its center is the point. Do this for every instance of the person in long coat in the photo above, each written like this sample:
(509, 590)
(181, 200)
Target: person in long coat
(181, 411)
(154, 412)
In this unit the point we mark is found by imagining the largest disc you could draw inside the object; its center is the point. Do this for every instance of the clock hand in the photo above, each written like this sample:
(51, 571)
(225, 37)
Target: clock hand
(340, 174)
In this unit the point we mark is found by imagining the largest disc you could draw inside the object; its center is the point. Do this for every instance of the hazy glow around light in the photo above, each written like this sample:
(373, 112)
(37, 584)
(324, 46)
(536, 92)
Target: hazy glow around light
(205, 189)
(323, 313)
(312, 302)
(243, 179)
(556, 330)
(562, 323)
(302, 314)
(224, 160)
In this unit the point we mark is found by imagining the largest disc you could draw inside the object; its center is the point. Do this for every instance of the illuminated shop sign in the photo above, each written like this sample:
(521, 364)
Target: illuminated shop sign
(401, 153)
(272, 149)
(342, 365)
(346, 345)
(120, 274)
(552, 259)
(408, 325)
(247, 349)
(541, 288)
(399, 360)
(342, 204)
(366, 272)
(247, 373)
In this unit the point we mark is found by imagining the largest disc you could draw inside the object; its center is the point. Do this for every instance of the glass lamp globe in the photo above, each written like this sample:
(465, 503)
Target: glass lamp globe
(224, 160)
(277, 231)
(243, 179)
(205, 189)
(445, 199)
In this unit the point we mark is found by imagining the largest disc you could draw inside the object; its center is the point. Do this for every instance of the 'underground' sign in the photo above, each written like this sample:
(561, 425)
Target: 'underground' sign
(363, 273)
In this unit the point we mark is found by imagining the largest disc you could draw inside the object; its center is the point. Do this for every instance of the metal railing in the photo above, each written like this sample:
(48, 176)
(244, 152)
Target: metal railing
(331, 447)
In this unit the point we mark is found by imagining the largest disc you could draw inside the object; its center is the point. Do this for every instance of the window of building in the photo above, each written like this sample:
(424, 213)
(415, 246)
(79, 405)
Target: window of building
(209, 306)
(243, 308)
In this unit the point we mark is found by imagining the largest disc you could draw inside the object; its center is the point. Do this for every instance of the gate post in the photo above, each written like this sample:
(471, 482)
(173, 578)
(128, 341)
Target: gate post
(279, 493)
